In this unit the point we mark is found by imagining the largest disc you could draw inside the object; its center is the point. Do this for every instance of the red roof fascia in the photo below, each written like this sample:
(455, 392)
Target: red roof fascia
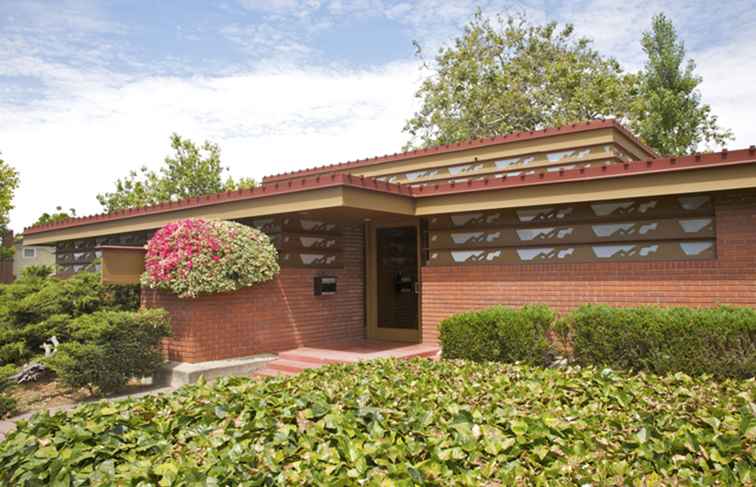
(630, 168)
(267, 189)
(466, 145)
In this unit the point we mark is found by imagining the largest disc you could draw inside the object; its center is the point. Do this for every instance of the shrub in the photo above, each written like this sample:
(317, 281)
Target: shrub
(37, 307)
(719, 341)
(499, 334)
(108, 348)
(419, 422)
(37, 272)
(121, 297)
(7, 403)
(196, 256)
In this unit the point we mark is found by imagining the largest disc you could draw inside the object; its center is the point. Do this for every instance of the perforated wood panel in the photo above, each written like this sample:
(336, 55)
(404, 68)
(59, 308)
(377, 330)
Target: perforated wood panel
(668, 228)
(303, 241)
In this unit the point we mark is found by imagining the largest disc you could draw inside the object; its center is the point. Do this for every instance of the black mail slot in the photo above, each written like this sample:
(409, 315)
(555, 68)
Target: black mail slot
(324, 285)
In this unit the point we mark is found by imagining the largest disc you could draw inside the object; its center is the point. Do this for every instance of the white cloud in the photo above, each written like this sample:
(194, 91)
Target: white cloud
(279, 5)
(267, 39)
(728, 73)
(266, 121)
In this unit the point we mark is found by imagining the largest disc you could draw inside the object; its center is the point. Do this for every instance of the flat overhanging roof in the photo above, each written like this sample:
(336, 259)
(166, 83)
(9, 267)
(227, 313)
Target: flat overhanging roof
(321, 193)
(359, 195)
(501, 140)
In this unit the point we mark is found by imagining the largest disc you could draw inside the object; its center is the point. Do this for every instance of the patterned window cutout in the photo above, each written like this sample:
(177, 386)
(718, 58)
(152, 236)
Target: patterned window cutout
(317, 242)
(696, 248)
(624, 251)
(623, 229)
(526, 215)
(475, 255)
(694, 202)
(465, 168)
(629, 207)
(473, 237)
(317, 259)
(544, 253)
(527, 234)
(696, 225)
(317, 226)
(505, 163)
(558, 156)
(412, 176)
(467, 219)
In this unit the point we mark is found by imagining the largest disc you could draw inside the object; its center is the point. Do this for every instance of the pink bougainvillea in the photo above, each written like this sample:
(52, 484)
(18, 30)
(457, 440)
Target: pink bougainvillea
(196, 256)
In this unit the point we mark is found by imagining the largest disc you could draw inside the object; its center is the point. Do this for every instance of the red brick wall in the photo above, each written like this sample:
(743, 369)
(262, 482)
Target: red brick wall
(274, 316)
(730, 279)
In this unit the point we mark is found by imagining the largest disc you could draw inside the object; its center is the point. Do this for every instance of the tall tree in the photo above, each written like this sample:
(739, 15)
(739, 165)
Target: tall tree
(504, 74)
(8, 185)
(56, 216)
(668, 112)
(192, 171)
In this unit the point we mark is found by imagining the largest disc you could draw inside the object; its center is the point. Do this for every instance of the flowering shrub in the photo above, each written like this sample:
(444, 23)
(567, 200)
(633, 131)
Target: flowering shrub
(196, 256)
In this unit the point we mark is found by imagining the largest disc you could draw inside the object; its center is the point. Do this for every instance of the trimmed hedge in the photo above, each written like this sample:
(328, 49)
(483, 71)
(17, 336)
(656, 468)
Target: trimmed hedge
(108, 348)
(499, 334)
(719, 341)
(419, 422)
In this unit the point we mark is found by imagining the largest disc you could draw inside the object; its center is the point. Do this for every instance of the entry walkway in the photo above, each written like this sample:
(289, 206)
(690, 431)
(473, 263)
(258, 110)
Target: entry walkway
(345, 352)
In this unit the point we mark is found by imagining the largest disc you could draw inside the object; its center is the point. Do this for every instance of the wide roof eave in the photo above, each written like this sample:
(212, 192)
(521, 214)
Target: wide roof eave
(305, 186)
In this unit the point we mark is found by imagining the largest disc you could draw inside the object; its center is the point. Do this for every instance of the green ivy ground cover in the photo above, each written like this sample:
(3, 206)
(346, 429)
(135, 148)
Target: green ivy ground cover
(404, 423)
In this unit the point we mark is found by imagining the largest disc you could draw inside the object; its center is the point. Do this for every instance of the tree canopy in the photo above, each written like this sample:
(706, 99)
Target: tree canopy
(192, 171)
(668, 112)
(8, 185)
(504, 75)
(56, 216)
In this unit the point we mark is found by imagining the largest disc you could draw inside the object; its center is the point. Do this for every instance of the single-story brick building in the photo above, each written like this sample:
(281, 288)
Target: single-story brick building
(387, 247)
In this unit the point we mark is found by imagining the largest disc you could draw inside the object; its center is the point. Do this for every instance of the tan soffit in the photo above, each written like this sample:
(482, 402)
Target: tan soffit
(370, 200)
(653, 184)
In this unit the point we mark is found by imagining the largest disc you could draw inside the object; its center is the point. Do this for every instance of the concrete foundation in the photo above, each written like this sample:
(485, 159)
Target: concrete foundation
(177, 374)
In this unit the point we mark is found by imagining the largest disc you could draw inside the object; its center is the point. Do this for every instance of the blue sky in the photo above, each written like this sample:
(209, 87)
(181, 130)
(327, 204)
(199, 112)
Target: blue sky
(91, 89)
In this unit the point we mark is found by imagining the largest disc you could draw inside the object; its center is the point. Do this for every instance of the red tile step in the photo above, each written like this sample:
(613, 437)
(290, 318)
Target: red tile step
(291, 362)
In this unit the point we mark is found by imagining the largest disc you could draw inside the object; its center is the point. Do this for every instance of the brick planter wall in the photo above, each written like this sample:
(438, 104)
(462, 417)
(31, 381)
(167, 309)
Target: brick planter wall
(730, 279)
(278, 315)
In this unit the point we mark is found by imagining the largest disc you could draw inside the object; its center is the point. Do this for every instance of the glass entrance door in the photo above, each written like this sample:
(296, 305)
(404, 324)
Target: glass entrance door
(393, 300)
(397, 277)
